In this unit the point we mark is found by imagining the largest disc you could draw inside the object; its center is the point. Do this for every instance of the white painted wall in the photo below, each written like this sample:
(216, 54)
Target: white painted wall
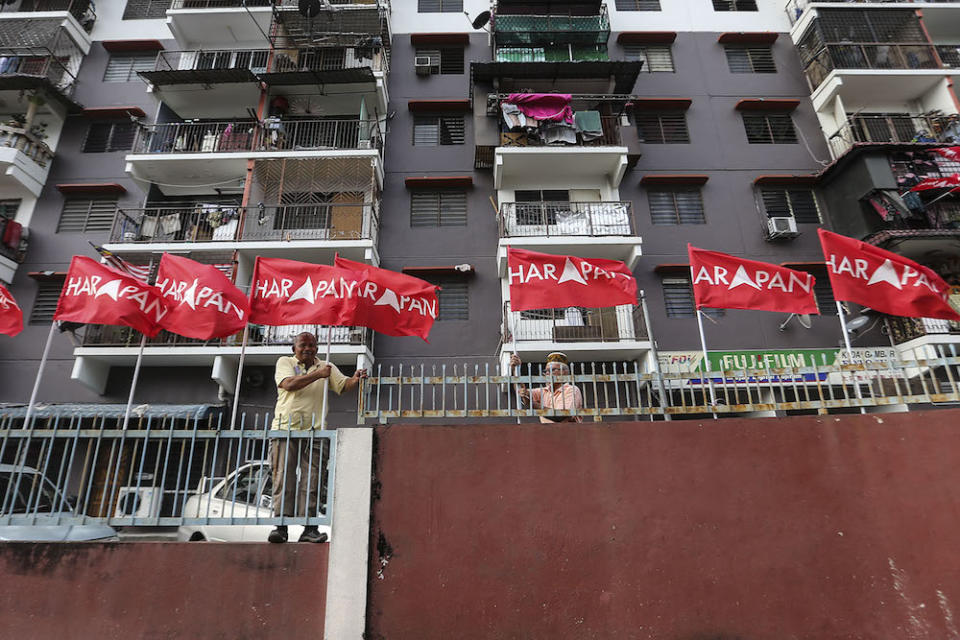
(111, 26)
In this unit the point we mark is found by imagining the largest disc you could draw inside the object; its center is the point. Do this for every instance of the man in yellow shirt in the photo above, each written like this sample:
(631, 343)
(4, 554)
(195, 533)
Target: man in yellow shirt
(301, 406)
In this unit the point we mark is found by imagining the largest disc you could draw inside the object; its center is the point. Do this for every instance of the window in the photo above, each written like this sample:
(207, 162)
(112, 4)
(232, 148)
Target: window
(535, 206)
(676, 206)
(45, 304)
(430, 131)
(799, 204)
(750, 59)
(654, 57)
(439, 6)
(822, 291)
(446, 61)
(679, 301)
(123, 67)
(443, 208)
(663, 128)
(734, 5)
(8, 209)
(139, 9)
(86, 215)
(453, 297)
(638, 5)
(109, 136)
(769, 128)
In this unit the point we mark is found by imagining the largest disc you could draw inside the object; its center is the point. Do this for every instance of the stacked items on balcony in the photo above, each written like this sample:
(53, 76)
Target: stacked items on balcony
(546, 118)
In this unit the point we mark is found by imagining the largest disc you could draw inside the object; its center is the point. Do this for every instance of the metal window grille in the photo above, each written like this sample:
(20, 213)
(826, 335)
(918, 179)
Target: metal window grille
(663, 128)
(769, 128)
(676, 206)
(857, 25)
(453, 297)
(445, 61)
(443, 208)
(678, 298)
(638, 5)
(109, 136)
(9, 208)
(750, 59)
(654, 58)
(123, 67)
(822, 291)
(45, 304)
(734, 5)
(801, 204)
(430, 131)
(140, 9)
(439, 6)
(86, 215)
(530, 208)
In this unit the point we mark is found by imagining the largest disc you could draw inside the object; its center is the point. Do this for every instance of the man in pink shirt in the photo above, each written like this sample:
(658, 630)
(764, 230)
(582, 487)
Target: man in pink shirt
(555, 394)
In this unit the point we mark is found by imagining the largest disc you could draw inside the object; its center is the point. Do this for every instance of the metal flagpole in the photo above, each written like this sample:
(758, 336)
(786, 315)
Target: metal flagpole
(846, 342)
(236, 387)
(516, 387)
(706, 361)
(664, 399)
(326, 381)
(133, 383)
(36, 383)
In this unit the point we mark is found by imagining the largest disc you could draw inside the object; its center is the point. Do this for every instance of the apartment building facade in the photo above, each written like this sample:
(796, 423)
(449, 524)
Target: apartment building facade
(223, 130)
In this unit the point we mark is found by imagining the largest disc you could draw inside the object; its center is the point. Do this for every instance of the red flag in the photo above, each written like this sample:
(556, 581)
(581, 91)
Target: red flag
(291, 292)
(950, 182)
(203, 302)
(95, 293)
(884, 281)
(11, 317)
(722, 281)
(951, 153)
(547, 281)
(394, 303)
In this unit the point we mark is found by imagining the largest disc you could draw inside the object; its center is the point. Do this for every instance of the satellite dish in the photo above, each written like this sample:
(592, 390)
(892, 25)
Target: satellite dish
(481, 20)
(309, 8)
(805, 320)
(855, 324)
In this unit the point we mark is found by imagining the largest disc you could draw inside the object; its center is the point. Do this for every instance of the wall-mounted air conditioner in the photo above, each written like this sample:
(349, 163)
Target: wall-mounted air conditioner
(423, 66)
(781, 227)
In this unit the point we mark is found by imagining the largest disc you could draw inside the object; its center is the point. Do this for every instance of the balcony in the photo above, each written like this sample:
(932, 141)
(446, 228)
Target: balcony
(273, 231)
(219, 22)
(103, 346)
(36, 69)
(529, 28)
(590, 229)
(894, 128)
(337, 23)
(796, 8)
(214, 152)
(913, 333)
(23, 20)
(24, 162)
(615, 333)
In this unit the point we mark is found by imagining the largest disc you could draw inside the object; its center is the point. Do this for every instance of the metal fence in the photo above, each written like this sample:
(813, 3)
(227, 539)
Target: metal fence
(519, 219)
(894, 128)
(163, 471)
(574, 324)
(102, 335)
(795, 8)
(37, 62)
(624, 389)
(868, 55)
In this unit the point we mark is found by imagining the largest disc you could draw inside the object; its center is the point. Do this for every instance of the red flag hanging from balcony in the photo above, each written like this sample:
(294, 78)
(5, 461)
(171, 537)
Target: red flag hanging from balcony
(394, 303)
(949, 182)
(202, 301)
(722, 281)
(950, 153)
(291, 292)
(547, 281)
(94, 293)
(883, 280)
(11, 317)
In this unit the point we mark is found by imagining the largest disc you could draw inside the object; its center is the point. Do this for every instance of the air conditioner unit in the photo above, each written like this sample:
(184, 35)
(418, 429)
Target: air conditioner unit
(138, 502)
(781, 228)
(423, 66)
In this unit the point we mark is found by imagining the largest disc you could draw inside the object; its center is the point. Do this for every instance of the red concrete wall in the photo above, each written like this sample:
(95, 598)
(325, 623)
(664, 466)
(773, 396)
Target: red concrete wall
(162, 590)
(820, 528)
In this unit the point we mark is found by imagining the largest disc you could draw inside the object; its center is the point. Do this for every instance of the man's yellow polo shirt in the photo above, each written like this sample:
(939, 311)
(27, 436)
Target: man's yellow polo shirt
(301, 409)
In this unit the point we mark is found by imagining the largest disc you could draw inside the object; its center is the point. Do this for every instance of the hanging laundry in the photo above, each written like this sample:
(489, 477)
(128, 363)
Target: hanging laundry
(512, 116)
(554, 107)
(589, 125)
(12, 234)
(551, 132)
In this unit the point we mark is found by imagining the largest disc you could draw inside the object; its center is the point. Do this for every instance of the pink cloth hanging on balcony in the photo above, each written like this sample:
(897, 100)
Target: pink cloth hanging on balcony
(11, 235)
(554, 107)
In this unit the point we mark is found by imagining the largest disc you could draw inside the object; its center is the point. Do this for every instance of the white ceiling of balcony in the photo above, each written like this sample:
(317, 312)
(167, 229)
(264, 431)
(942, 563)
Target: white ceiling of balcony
(224, 27)
(515, 167)
(179, 174)
(861, 88)
(225, 100)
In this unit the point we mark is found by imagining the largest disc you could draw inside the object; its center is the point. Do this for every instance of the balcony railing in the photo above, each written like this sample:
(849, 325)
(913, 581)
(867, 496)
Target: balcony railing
(524, 219)
(562, 134)
(236, 65)
(526, 29)
(82, 10)
(574, 324)
(260, 336)
(219, 4)
(272, 134)
(35, 62)
(889, 128)
(795, 8)
(949, 55)
(905, 329)
(868, 55)
(27, 144)
(225, 223)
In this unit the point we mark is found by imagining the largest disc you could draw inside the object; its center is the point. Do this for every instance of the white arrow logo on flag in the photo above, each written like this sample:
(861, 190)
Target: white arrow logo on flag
(304, 292)
(886, 273)
(389, 298)
(741, 277)
(570, 273)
